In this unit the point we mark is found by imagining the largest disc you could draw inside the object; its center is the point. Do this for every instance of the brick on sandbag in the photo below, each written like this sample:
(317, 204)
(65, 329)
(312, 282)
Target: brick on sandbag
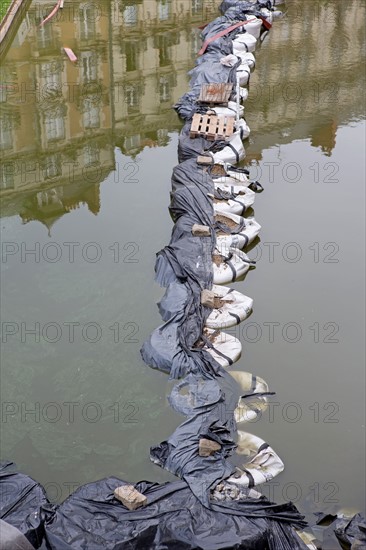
(207, 447)
(200, 230)
(204, 160)
(130, 497)
(208, 298)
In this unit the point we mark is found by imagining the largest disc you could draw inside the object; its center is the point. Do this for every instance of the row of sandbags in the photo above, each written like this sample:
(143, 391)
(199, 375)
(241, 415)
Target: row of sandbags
(208, 203)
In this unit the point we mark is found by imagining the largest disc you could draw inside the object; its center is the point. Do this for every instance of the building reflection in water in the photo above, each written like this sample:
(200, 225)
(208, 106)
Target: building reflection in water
(60, 122)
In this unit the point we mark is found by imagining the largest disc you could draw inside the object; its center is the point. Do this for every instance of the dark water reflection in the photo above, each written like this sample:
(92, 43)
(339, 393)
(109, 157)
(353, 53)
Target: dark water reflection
(87, 153)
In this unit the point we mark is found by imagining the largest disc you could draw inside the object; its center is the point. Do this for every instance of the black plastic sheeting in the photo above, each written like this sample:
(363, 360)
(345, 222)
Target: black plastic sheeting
(91, 518)
(191, 148)
(21, 501)
(173, 519)
(351, 532)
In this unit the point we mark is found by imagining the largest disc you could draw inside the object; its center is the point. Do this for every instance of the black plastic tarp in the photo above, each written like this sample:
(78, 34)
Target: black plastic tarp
(21, 499)
(91, 518)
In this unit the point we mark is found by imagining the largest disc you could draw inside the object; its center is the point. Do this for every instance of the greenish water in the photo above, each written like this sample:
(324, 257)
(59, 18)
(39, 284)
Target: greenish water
(87, 153)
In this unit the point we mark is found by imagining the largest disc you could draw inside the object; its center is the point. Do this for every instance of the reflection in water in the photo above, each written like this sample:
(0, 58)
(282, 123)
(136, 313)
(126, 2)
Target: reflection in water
(60, 122)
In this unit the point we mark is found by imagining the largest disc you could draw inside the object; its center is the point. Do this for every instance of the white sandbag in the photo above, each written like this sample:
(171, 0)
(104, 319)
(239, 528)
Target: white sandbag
(277, 14)
(250, 408)
(262, 467)
(244, 93)
(229, 60)
(235, 152)
(231, 177)
(245, 236)
(243, 73)
(253, 26)
(230, 266)
(244, 130)
(244, 42)
(224, 348)
(228, 206)
(232, 308)
(247, 58)
(230, 110)
(243, 196)
(267, 14)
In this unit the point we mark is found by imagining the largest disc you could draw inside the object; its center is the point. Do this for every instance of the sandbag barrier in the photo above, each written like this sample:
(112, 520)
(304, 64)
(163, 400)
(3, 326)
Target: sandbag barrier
(210, 194)
(215, 505)
(208, 200)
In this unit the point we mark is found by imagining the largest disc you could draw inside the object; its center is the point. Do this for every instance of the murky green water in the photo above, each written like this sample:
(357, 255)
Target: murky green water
(88, 151)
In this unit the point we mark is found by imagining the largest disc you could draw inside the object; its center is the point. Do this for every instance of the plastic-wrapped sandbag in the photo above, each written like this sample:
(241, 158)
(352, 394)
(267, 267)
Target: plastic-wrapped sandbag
(233, 150)
(186, 260)
(351, 532)
(244, 43)
(192, 148)
(213, 72)
(249, 6)
(240, 12)
(221, 151)
(20, 503)
(216, 50)
(173, 519)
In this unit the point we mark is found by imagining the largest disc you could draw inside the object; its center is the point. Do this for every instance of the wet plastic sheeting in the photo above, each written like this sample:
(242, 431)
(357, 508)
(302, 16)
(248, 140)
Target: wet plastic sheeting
(91, 518)
(210, 415)
(212, 71)
(20, 503)
(351, 533)
(216, 50)
(187, 260)
(191, 148)
(246, 6)
(234, 14)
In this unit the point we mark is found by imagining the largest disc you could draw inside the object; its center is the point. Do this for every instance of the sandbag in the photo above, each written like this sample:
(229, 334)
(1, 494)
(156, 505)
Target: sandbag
(20, 503)
(91, 518)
